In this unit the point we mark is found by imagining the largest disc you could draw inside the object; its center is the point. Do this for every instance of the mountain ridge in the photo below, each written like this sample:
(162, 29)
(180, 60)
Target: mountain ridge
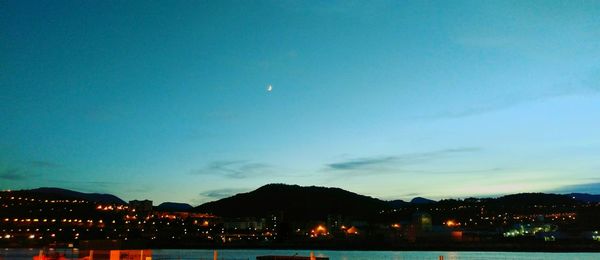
(281, 188)
(301, 202)
(96, 197)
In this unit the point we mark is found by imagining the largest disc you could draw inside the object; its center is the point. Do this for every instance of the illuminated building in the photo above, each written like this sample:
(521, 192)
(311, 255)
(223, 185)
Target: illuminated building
(141, 205)
(422, 221)
(245, 224)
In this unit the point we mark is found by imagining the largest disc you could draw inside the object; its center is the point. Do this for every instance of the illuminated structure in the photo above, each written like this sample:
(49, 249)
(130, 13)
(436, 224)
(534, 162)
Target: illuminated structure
(141, 205)
(245, 223)
(422, 221)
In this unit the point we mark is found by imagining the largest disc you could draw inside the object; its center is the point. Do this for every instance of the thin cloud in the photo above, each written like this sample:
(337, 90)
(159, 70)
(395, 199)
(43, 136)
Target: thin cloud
(592, 188)
(589, 85)
(362, 163)
(349, 8)
(224, 115)
(488, 41)
(13, 175)
(594, 81)
(394, 162)
(216, 194)
(44, 164)
(412, 194)
(221, 193)
(234, 169)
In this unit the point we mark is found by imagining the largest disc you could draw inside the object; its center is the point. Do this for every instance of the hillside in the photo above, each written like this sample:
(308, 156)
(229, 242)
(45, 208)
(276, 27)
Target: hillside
(526, 199)
(585, 197)
(69, 194)
(174, 207)
(295, 202)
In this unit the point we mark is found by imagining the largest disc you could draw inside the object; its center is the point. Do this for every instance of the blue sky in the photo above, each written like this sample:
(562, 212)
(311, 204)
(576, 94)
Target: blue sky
(167, 100)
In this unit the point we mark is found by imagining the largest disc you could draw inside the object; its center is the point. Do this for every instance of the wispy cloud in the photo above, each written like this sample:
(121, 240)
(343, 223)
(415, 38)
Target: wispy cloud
(221, 193)
(223, 114)
(412, 194)
(362, 163)
(488, 41)
(12, 175)
(490, 99)
(594, 80)
(383, 163)
(234, 169)
(592, 188)
(490, 105)
(351, 8)
(216, 194)
(44, 164)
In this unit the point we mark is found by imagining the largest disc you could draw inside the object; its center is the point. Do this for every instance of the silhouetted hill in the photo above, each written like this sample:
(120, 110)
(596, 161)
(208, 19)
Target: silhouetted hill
(524, 200)
(535, 198)
(585, 197)
(174, 207)
(421, 200)
(64, 193)
(397, 203)
(295, 202)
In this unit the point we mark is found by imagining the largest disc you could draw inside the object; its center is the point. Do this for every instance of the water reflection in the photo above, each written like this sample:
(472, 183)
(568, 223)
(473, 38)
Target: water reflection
(145, 254)
(251, 254)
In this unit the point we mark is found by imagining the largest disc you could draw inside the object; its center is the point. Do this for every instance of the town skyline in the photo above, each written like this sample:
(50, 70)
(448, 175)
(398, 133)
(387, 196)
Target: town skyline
(283, 216)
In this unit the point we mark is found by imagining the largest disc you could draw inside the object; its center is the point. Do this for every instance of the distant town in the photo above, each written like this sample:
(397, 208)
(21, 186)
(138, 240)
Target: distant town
(290, 216)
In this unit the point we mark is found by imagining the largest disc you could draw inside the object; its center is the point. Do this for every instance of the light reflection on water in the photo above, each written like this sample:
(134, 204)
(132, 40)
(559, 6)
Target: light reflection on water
(168, 254)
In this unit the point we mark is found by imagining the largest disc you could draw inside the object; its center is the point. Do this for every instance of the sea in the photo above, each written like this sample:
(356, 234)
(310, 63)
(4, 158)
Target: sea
(234, 254)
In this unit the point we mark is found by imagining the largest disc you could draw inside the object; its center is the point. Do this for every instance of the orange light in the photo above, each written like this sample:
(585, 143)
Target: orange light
(451, 223)
(352, 231)
(396, 225)
(319, 230)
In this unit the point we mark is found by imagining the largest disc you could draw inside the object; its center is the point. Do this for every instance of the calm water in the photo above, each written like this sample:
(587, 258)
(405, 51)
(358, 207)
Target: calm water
(22, 254)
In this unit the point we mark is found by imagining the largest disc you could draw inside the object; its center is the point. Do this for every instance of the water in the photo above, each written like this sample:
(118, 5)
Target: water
(197, 254)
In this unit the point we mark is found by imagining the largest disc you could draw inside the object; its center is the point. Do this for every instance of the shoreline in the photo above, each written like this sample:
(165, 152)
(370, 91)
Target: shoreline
(575, 247)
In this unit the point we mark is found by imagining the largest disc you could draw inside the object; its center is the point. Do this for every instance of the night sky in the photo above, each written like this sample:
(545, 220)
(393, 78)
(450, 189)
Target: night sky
(168, 100)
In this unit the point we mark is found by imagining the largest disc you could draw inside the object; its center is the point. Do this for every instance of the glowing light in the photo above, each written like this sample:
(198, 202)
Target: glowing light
(452, 223)
(320, 230)
(352, 231)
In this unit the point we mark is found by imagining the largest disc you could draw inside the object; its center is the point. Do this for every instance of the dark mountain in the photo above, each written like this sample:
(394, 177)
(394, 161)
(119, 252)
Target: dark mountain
(527, 199)
(421, 200)
(397, 203)
(535, 198)
(64, 193)
(295, 203)
(174, 207)
(585, 197)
